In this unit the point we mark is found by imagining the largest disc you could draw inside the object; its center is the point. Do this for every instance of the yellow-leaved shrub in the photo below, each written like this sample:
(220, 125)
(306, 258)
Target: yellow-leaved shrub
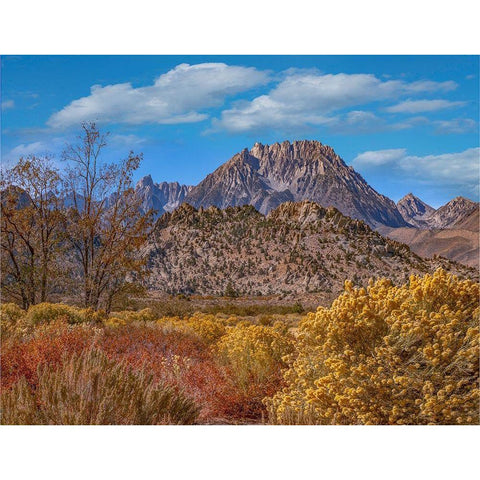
(254, 352)
(12, 319)
(49, 312)
(387, 355)
(207, 327)
(127, 317)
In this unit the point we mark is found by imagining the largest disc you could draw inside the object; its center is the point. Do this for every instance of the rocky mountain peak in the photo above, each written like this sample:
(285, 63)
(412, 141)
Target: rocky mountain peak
(268, 175)
(161, 197)
(414, 210)
(461, 202)
(452, 213)
(145, 182)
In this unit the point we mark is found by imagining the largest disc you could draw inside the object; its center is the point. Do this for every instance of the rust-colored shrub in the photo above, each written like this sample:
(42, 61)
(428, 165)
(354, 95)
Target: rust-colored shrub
(47, 345)
(179, 359)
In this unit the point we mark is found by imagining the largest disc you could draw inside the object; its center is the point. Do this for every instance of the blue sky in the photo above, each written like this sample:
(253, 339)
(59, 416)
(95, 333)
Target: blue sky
(406, 123)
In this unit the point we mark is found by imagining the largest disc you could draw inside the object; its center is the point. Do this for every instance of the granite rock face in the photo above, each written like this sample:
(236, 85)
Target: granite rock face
(414, 210)
(161, 197)
(268, 175)
(452, 213)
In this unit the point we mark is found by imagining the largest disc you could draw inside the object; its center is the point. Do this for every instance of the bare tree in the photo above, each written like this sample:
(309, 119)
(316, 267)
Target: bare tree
(105, 226)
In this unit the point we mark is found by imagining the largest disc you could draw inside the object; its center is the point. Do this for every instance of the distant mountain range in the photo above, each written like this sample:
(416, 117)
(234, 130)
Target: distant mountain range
(268, 175)
(451, 231)
(413, 210)
(161, 197)
(417, 213)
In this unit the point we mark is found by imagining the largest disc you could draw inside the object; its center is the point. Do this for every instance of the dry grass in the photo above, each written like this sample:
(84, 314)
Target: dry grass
(90, 389)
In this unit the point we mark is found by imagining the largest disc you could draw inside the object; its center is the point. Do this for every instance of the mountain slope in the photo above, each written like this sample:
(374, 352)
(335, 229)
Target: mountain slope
(457, 244)
(269, 175)
(414, 210)
(470, 222)
(297, 248)
(452, 213)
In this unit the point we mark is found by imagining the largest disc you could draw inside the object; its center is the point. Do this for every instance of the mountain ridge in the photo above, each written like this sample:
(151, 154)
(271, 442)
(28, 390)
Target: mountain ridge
(267, 175)
(414, 210)
(161, 197)
(297, 248)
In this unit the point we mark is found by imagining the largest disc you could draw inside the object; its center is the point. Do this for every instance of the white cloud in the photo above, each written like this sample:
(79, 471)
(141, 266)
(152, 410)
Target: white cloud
(378, 157)
(6, 104)
(25, 149)
(310, 98)
(455, 126)
(178, 96)
(129, 140)
(419, 106)
(49, 147)
(459, 169)
(359, 121)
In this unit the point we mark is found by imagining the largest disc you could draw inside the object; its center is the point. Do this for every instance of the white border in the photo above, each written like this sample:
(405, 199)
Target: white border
(247, 27)
(238, 452)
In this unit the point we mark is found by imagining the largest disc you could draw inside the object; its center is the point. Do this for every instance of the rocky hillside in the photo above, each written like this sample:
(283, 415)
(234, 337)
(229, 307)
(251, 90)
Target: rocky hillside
(295, 249)
(452, 213)
(161, 197)
(414, 210)
(268, 175)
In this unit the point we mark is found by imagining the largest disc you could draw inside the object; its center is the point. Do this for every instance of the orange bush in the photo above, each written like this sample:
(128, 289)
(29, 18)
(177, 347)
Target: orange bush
(177, 359)
(20, 359)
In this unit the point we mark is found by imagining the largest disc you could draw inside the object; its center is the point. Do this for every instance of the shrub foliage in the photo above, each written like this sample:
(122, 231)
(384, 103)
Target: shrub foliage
(387, 355)
(90, 389)
(379, 355)
(254, 352)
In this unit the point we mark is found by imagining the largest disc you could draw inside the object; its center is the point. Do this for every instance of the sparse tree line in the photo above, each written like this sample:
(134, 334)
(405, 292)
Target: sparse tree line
(74, 230)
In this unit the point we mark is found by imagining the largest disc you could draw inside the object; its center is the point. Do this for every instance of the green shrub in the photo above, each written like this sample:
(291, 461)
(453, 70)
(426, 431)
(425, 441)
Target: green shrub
(49, 312)
(91, 389)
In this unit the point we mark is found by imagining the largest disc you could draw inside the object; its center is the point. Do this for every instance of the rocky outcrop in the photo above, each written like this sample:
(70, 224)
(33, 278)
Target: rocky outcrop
(414, 210)
(268, 175)
(161, 197)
